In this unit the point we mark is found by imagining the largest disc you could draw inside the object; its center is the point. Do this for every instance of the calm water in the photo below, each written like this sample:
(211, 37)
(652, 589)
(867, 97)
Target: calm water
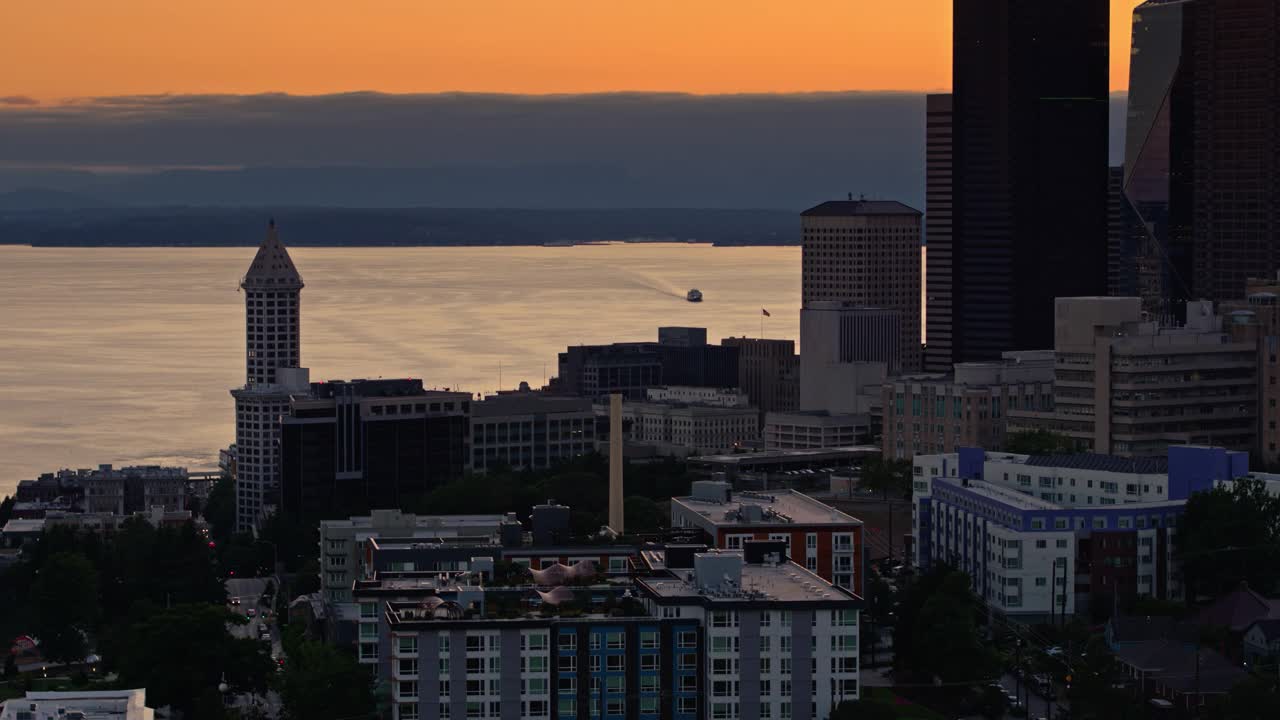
(126, 355)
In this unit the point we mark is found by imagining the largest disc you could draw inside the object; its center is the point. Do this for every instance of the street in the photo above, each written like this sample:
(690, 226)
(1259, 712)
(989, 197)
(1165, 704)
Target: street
(249, 591)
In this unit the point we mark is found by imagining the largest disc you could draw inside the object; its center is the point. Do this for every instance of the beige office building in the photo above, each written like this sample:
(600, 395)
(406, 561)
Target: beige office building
(1124, 385)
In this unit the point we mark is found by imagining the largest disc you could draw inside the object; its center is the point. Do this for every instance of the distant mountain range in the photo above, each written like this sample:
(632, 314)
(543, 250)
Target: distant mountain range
(370, 150)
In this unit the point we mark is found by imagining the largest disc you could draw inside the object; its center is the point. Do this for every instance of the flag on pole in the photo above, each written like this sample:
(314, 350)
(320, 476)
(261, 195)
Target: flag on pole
(765, 312)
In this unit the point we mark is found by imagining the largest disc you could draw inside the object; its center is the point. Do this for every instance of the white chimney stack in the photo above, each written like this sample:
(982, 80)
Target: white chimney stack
(615, 462)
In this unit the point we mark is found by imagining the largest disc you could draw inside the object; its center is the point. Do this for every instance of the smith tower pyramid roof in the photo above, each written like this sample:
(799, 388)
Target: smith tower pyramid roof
(272, 268)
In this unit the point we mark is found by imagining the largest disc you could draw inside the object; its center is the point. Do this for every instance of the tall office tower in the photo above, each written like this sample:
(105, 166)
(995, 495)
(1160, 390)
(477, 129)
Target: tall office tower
(1127, 270)
(1237, 144)
(937, 233)
(1029, 130)
(1158, 153)
(867, 253)
(272, 317)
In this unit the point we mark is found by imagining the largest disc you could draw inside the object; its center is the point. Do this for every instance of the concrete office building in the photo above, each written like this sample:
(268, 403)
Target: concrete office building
(721, 635)
(768, 371)
(680, 357)
(865, 254)
(272, 290)
(1236, 85)
(1029, 168)
(817, 536)
(718, 397)
(686, 429)
(1256, 319)
(1044, 535)
(348, 445)
(966, 408)
(1128, 386)
(814, 429)
(530, 430)
(937, 228)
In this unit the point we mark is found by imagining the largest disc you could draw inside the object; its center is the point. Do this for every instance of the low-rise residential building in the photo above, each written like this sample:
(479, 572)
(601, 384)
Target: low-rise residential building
(1126, 385)
(967, 408)
(530, 430)
(79, 705)
(1044, 535)
(814, 429)
(817, 536)
(720, 637)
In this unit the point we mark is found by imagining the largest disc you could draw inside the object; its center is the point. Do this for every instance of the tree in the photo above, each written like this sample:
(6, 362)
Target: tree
(320, 681)
(6, 509)
(1038, 442)
(643, 515)
(887, 477)
(912, 598)
(66, 601)
(1254, 697)
(180, 653)
(1228, 535)
(945, 638)
(220, 508)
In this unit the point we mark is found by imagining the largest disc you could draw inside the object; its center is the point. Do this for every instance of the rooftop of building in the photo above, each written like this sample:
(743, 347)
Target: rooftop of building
(784, 582)
(528, 404)
(361, 387)
(780, 507)
(853, 208)
(80, 705)
(1102, 463)
(1181, 666)
(395, 521)
(689, 408)
(1004, 495)
(848, 452)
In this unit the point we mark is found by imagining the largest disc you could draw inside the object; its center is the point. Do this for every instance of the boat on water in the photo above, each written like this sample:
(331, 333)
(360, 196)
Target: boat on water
(694, 295)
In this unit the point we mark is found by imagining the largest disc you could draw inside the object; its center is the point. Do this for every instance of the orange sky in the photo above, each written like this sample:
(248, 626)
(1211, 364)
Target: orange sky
(53, 49)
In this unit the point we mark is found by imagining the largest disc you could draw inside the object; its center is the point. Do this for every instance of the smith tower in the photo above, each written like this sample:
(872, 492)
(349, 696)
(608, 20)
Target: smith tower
(272, 289)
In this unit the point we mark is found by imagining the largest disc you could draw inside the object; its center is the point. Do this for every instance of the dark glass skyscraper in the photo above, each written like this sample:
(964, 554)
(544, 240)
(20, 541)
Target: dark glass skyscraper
(1158, 168)
(1029, 135)
(1237, 144)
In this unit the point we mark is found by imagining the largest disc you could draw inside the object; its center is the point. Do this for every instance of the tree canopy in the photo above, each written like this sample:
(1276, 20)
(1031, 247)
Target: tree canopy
(887, 477)
(1038, 442)
(66, 603)
(321, 681)
(1228, 535)
(180, 653)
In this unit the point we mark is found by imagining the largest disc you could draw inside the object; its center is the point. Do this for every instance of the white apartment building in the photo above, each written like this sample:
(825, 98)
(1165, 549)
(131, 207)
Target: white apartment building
(696, 395)
(691, 429)
(814, 430)
(1047, 535)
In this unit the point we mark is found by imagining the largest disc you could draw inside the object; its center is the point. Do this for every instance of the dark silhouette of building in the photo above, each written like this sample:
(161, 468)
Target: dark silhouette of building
(1127, 240)
(347, 447)
(937, 232)
(1158, 168)
(631, 368)
(1029, 132)
(768, 372)
(1237, 144)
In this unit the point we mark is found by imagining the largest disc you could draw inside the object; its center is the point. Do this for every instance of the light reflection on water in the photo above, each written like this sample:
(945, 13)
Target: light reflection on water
(125, 355)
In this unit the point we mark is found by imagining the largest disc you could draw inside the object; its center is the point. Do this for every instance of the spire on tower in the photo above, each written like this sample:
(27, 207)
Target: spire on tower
(272, 268)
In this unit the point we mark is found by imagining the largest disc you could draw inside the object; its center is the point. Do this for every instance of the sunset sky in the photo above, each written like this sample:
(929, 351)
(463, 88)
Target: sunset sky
(58, 49)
